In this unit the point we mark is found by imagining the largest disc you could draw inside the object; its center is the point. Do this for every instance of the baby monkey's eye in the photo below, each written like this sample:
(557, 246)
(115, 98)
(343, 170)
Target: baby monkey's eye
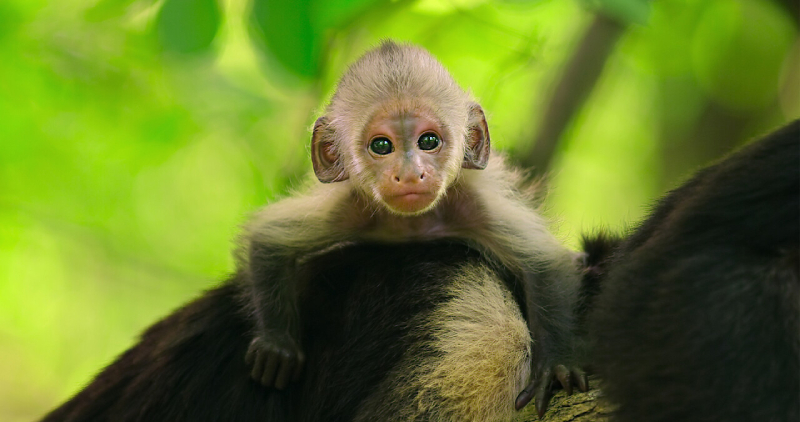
(381, 146)
(428, 141)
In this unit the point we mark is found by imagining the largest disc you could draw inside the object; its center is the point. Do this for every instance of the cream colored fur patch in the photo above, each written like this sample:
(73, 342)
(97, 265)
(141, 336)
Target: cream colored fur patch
(476, 359)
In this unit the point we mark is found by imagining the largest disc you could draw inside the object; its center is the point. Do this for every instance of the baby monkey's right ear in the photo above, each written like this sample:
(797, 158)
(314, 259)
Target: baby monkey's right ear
(476, 154)
(327, 162)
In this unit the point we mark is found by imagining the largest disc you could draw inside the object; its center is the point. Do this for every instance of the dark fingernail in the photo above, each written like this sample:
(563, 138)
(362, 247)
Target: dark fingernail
(540, 408)
(523, 399)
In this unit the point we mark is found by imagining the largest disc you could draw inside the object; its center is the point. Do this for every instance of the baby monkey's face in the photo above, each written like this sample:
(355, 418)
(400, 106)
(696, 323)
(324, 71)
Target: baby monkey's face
(408, 159)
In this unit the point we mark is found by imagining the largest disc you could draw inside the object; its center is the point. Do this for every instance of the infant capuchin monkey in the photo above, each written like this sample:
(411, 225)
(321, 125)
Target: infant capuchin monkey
(402, 154)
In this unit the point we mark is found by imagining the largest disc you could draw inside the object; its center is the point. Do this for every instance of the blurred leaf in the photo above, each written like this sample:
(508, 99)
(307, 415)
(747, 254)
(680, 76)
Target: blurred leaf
(294, 32)
(284, 28)
(663, 46)
(188, 26)
(335, 13)
(624, 11)
(738, 50)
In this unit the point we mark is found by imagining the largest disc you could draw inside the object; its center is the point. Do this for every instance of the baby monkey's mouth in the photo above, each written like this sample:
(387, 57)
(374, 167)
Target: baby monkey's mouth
(410, 201)
(412, 192)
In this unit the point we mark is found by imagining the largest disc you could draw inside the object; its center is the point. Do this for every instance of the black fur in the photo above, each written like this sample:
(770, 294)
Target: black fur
(190, 366)
(698, 318)
(598, 252)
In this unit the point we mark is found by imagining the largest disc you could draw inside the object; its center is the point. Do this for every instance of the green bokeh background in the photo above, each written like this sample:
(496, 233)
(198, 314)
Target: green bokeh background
(136, 136)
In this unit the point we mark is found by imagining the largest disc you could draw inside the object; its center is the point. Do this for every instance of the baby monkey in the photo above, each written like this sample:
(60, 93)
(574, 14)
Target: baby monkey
(402, 154)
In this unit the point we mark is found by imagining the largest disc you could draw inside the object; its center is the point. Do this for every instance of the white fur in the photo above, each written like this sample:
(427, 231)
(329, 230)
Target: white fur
(394, 75)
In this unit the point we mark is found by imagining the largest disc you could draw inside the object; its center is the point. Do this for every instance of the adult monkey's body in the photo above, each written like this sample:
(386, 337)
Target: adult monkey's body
(404, 143)
(435, 334)
(697, 312)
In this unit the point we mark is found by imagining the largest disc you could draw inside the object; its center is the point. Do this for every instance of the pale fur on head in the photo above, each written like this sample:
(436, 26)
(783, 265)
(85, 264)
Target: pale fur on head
(396, 76)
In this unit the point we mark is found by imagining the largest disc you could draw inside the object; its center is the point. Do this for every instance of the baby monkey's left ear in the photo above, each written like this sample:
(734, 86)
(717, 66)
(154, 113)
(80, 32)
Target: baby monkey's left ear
(476, 155)
(327, 163)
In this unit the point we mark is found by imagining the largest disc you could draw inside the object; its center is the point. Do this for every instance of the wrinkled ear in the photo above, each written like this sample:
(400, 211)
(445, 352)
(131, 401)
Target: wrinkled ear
(476, 155)
(327, 164)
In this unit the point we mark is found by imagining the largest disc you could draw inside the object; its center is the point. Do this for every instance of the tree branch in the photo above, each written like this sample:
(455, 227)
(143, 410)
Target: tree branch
(579, 77)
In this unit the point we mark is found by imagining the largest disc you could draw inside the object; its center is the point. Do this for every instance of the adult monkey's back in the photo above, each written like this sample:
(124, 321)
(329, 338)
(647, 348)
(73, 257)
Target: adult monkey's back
(698, 317)
(428, 330)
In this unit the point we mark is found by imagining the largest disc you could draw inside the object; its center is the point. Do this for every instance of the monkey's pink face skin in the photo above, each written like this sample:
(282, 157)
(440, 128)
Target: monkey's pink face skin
(409, 158)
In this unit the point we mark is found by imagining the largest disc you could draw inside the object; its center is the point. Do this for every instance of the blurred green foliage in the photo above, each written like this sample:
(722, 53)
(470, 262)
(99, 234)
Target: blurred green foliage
(188, 26)
(137, 135)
